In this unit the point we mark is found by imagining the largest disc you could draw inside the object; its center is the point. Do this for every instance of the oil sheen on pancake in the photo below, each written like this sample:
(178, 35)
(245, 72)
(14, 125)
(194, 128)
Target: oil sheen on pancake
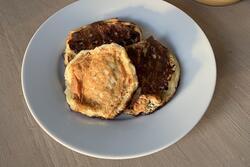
(102, 32)
(158, 74)
(100, 82)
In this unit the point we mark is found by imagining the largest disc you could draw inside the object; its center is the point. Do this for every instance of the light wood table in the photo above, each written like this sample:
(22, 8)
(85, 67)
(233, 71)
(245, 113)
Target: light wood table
(222, 137)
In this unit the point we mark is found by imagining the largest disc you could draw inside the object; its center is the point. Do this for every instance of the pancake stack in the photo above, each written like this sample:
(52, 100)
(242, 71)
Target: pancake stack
(111, 69)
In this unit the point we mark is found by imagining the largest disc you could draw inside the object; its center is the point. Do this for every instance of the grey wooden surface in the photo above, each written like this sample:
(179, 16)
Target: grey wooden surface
(222, 137)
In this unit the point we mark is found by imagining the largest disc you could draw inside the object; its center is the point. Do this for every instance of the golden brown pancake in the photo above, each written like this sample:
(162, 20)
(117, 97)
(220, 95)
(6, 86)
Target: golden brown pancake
(158, 73)
(102, 32)
(100, 82)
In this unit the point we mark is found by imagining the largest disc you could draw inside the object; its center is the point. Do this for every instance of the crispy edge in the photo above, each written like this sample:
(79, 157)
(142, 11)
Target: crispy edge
(70, 54)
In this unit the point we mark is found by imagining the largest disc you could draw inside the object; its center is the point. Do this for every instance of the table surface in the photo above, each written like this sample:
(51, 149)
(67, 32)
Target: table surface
(222, 137)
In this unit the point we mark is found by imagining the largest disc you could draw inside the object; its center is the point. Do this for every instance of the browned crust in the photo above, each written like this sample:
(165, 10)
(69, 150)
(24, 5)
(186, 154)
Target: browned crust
(131, 84)
(69, 54)
(150, 106)
(158, 108)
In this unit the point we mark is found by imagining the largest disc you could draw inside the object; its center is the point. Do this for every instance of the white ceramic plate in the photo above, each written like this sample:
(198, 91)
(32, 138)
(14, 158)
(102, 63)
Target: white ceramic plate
(43, 83)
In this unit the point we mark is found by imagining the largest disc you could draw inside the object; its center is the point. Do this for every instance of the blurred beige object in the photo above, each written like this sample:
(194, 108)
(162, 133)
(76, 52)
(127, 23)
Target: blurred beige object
(217, 2)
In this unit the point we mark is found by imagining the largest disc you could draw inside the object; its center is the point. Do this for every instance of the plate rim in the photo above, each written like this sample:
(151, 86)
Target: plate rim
(101, 156)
